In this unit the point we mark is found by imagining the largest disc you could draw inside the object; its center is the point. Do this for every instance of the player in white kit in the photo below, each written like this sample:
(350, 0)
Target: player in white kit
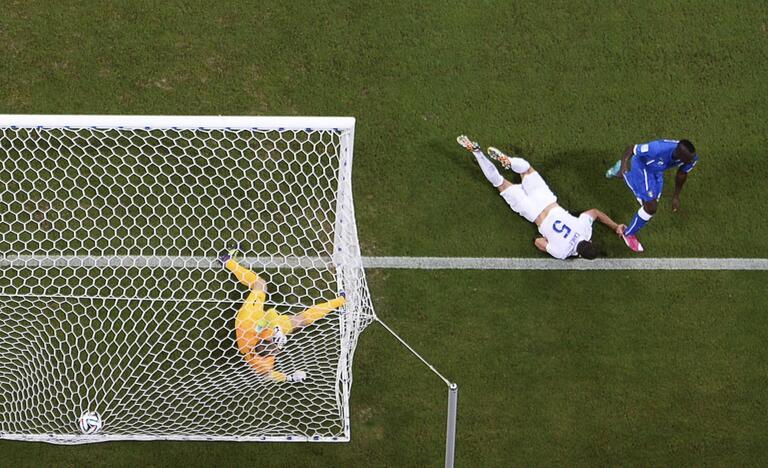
(563, 235)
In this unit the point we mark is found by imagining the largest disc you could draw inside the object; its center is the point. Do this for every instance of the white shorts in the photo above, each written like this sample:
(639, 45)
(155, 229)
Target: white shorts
(529, 198)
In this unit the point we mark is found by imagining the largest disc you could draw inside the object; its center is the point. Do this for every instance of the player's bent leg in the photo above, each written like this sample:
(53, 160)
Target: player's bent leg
(514, 195)
(489, 170)
(519, 165)
(538, 192)
(261, 364)
(504, 185)
(639, 220)
(536, 188)
(646, 187)
(245, 276)
(643, 215)
(519, 202)
(264, 365)
(651, 206)
(278, 376)
(317, 311)
(533, 183)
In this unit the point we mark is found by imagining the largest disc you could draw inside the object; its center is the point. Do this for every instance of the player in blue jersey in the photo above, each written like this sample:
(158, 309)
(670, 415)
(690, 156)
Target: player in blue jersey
(642, 167)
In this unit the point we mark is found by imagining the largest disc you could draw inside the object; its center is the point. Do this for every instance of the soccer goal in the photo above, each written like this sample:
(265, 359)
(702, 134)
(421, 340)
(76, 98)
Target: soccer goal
(117, 320)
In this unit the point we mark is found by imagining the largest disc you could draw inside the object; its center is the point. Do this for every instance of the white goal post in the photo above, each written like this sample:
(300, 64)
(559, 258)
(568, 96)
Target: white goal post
(117, 320)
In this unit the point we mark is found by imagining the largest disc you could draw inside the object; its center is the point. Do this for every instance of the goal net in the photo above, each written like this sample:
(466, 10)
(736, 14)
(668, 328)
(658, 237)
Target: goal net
(117, 320)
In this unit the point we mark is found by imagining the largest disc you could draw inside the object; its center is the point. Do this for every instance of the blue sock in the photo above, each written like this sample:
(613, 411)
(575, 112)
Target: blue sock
(638, 221)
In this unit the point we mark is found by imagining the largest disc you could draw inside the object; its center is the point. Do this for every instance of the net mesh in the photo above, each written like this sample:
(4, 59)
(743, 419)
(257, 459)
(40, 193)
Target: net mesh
(112, 299)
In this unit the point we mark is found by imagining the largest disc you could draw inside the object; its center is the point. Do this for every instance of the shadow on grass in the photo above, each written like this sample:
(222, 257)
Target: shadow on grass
(577, 176)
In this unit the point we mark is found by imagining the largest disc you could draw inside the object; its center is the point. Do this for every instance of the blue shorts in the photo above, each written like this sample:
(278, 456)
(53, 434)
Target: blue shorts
(646, 185)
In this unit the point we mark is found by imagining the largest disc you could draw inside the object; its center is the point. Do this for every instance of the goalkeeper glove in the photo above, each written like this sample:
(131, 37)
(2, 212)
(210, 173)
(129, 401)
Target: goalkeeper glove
(279, 337)
(297, 376)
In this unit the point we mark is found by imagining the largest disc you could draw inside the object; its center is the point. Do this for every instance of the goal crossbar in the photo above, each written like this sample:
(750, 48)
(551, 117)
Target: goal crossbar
(176, 121)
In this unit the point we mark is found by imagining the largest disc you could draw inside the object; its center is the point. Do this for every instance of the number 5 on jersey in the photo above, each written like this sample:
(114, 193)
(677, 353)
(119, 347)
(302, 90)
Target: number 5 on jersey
(562, 228)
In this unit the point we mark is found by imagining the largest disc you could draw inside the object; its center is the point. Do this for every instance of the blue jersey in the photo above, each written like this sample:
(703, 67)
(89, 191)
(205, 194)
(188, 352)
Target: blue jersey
(656, 156)
(649, 161)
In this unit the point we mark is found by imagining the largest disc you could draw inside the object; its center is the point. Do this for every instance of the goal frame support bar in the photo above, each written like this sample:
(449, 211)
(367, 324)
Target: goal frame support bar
(453, 395)
(450, 433)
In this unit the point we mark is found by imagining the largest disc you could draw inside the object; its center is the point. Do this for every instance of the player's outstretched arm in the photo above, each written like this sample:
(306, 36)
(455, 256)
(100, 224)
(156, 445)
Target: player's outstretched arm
(680, 179)
(594, 213)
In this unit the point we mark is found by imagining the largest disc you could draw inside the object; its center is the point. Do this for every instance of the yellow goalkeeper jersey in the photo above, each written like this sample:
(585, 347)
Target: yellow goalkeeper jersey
(253, 324)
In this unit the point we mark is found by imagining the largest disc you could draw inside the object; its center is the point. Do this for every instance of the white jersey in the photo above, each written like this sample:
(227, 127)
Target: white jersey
(564, 231)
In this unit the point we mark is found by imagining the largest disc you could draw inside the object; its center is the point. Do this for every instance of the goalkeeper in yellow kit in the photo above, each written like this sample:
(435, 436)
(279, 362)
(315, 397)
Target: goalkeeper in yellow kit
(261, 335)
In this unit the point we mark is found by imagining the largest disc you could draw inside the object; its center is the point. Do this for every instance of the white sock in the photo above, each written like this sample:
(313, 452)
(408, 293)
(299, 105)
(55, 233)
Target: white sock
(490, 171)
(644, 215)
(519, 165)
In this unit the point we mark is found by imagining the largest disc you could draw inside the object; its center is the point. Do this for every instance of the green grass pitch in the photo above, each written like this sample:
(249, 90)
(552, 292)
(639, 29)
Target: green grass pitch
(554, 368)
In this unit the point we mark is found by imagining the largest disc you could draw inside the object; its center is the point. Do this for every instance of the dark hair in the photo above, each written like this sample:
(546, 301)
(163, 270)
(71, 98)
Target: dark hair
(688, 145)
(588, 250)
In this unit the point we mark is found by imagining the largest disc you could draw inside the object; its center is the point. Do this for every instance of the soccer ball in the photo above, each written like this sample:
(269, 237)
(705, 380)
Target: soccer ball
(90, 422)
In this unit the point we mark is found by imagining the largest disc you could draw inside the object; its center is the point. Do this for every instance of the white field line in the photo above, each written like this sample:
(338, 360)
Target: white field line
(461, 263)
(415, 263)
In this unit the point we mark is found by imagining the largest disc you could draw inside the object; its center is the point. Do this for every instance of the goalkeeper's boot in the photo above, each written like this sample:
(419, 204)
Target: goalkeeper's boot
(228, 255)
(613, 171)
(498, 155)
(468, 144)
